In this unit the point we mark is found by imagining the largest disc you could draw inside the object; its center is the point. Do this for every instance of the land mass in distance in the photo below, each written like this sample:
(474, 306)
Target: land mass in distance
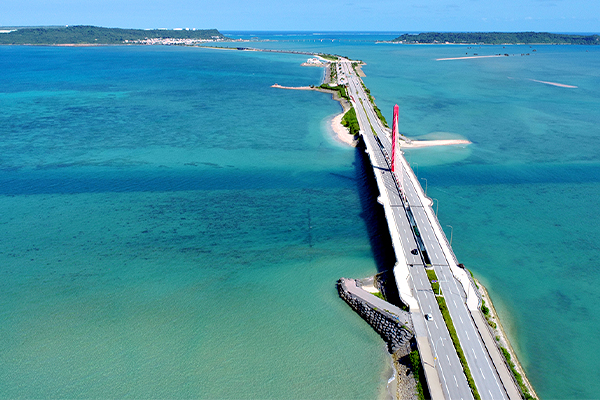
(496, 38)
(87, 35)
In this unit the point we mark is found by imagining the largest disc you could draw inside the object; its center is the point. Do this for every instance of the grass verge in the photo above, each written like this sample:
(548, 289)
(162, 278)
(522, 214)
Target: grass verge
(377, 110)
(418, 372)
(461, 356)
(433, 279)
(517, 375)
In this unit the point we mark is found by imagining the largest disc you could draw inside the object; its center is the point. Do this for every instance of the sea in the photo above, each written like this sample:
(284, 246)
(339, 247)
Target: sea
(171, 226)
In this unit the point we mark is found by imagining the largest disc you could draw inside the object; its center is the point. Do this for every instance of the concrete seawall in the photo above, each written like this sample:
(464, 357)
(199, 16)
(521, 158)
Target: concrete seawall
(391, 323)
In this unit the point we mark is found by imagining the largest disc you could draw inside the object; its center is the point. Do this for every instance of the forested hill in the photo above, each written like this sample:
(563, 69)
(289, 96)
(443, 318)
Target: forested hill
(98, 35)
(497, 38)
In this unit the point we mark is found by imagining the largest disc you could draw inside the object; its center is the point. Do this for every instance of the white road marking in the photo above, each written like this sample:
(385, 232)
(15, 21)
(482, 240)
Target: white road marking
(474, 353)
(455, 380)
(482, 374)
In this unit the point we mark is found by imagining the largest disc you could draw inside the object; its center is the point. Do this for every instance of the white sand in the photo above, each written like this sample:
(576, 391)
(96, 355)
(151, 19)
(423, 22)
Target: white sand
(370, 288)
(430, 143)
(341, 132)
(292, 87)
(466, 58)
(555, 84)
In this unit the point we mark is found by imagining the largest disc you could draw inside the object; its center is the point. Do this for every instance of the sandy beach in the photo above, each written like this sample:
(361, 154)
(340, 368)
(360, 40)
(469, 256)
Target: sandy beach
(341, 132)
(431, 143)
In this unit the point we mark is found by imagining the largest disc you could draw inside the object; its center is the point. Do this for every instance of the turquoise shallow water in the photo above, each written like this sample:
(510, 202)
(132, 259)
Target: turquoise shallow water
(160, 204)
(522, 199)
(173, 227)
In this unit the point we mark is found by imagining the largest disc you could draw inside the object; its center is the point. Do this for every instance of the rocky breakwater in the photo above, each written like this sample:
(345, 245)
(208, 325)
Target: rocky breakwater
(393, 324)
(395, 327)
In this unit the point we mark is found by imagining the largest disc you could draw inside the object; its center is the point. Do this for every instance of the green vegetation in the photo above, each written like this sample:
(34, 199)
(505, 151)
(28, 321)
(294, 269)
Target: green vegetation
(459, 351)
(98, 35)
(484, 309)
(517, 375)
(497, 38)
(350, 121)
(433, 279)
(380, 115)
(472, 276)
(332, 73)
(380, 295)
(329, 57)
(370, 125)
(377, 110)
(418, 372)
(339, 88)
(487, 315)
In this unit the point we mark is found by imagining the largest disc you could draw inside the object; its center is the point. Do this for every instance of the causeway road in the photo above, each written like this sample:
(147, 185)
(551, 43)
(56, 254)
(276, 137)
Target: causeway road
(427, 245)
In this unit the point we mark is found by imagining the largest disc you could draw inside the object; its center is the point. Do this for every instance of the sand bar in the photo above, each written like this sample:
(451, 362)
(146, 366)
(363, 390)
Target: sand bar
(292, 87)
(555, 84)
(466, 58)
(431, 143)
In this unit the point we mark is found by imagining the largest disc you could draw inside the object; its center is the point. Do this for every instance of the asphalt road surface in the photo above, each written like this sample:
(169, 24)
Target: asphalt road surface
(454, 383)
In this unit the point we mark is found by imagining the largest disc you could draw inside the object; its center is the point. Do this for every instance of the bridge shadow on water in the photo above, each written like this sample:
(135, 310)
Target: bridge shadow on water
(377, 227)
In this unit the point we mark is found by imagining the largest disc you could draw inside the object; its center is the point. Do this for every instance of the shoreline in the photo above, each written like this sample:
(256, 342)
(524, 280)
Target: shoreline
(341, 132)
(503, 337)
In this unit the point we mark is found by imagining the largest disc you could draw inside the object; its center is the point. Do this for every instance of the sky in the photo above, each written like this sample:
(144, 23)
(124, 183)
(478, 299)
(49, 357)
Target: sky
(312, 15)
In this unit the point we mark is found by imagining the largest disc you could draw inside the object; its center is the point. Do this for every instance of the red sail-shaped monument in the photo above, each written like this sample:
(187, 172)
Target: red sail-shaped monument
(394, 137)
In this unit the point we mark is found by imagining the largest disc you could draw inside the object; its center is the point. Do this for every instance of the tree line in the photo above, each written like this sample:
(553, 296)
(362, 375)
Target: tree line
(98, 35)
(497, 38)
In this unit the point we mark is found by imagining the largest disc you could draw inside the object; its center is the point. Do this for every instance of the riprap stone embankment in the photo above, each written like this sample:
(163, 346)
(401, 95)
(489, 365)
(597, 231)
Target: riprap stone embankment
(393, 324)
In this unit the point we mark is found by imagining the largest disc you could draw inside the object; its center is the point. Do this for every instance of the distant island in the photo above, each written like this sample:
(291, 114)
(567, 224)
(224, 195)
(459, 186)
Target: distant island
(89, 35)
(496, 38)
